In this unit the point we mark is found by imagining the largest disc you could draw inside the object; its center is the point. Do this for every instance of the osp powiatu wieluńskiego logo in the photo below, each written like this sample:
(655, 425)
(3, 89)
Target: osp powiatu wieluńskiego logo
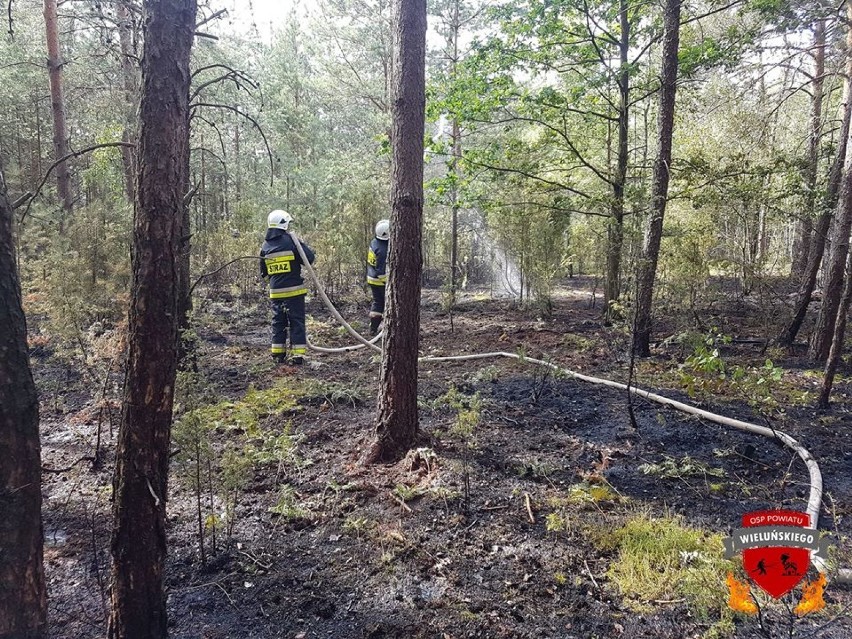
(776, 548)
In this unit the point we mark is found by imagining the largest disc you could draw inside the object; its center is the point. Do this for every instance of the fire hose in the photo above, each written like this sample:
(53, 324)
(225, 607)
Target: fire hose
(814, 498)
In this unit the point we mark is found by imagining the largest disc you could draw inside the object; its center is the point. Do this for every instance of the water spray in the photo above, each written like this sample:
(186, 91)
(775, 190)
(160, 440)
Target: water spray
(844, 575)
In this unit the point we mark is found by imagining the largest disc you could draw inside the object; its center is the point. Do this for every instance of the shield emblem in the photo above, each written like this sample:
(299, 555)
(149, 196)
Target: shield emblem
(776, 569)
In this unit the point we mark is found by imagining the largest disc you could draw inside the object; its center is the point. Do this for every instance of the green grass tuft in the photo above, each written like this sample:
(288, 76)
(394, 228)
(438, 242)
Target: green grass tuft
(664, 560)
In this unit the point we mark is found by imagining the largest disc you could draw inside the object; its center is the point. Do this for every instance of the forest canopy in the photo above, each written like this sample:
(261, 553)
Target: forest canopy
(526, 94)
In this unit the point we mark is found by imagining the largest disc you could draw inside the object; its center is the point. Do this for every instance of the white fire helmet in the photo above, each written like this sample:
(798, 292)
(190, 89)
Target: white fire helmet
(383, 229)
(279, 219)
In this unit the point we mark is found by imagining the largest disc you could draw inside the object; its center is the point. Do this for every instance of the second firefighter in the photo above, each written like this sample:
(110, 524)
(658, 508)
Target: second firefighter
(377, 273)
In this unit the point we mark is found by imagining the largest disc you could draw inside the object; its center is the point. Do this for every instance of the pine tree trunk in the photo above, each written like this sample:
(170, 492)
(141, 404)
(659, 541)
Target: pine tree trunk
(838, 334)
(397, 422)
(129, 73)
(184, 294)
(820, 233)
(836, 266)
(823, 223)
(832, 288)
(23, 593)
(454, 222)
(804, 227)
(615, 227)
(57, 101)
(456, 166)
(138, 607)
(660, 184)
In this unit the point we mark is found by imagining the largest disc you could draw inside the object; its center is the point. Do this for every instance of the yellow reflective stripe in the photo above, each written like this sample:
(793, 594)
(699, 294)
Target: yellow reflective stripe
(277, 348)
(298, 350)
(376, 314)
(279, 293)
(377, 281)
(277, 265)
(281, 254)
(285, 289)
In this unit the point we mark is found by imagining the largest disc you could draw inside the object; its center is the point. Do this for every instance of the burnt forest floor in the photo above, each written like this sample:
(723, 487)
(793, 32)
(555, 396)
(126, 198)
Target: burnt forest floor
(522, 512)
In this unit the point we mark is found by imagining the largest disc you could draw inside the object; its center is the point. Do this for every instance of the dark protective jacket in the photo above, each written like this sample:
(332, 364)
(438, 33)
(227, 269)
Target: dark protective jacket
(377, 262)
(282, 264)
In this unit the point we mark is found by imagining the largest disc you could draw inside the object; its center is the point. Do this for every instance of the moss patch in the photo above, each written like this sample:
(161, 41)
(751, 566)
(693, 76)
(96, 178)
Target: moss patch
(663, 560)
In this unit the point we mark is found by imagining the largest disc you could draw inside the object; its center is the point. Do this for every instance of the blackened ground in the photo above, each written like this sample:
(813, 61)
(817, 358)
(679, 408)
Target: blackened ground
(362, 564)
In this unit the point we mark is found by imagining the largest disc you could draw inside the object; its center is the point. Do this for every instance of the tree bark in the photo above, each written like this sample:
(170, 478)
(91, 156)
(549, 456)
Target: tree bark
(138, 609)
(23, 593)
(397, 422)
(615, 227)
(129, 74)
(838, 334)
(57, 101)
(456, 167)
(660, 185)
(804, 227)
(826, 214)
(454, 215)
(184, 293)
(832, 287)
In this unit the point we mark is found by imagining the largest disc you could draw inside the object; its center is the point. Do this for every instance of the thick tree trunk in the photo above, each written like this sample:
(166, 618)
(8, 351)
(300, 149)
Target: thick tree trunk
(57, 101)
(836, 266)
(23, 593)
(142, 458)
(615, 228)
(823, 223)
(397, 422)
(838, 334)
(660, 185)
(832, 288)
(804, 227)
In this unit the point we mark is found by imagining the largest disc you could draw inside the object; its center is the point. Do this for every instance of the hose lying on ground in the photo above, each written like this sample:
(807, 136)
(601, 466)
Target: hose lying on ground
(814, 498)
(345, 349)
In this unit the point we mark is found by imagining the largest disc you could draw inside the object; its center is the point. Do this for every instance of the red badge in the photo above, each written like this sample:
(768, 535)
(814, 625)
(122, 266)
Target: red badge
(771, 565)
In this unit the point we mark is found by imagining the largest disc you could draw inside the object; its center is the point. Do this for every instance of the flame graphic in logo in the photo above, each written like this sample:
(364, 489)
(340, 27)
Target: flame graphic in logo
(812, 600)
(740, 597)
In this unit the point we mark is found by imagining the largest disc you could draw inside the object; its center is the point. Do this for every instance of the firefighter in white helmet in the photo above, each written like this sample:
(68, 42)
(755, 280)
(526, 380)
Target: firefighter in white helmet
(377, 273)
(281, 264)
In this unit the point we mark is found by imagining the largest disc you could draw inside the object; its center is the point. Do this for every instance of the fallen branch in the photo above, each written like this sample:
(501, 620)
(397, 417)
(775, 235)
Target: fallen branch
(45, 469)
(529, 507)
(591, 576)
(401, 503)
(487, 508)
(256, 560)
(220, 587)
